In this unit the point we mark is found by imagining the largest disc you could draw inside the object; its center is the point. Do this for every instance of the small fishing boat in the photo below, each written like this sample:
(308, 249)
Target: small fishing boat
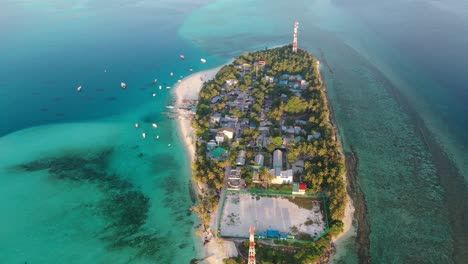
(78, 89)
(157, 137)
(179, 80)
(170, 106)
(123, 85)
(168, 87)
(143, 135)
(155, 125)
(182, 56)
(137, 125)
(154, 94)
(203, 60)
(155, 80)
(160, 87)
(169, 145)
(172, 74)
(190, 69)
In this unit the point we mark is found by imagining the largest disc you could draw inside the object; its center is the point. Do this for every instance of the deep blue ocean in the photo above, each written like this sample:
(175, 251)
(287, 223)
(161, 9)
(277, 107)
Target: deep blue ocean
(80, 185)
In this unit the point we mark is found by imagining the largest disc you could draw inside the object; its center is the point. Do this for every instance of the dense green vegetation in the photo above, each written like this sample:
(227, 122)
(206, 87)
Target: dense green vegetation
(283, 252)
(323, 163)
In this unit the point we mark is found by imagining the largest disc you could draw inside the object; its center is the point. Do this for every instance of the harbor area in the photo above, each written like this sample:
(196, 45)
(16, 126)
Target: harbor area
(274, 217)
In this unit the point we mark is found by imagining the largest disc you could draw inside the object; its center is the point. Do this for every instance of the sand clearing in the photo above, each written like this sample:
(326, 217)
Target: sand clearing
(244, 210)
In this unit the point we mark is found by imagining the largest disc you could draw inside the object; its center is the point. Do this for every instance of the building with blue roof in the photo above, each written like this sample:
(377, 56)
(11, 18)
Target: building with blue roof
(273, 233)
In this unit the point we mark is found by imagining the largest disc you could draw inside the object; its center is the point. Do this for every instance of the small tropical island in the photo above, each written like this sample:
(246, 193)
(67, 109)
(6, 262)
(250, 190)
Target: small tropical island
(267, 157)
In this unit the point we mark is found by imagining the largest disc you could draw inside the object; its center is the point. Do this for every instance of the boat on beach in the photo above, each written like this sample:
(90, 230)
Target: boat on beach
(123, 85)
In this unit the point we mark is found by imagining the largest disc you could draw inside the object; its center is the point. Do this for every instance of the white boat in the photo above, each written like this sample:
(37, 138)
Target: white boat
(154, 94)
(123, 85)
(155, 80)
(155, 125)
(78, 89)
(157, 137)
(137, 125)
(179, 80)
(168, 87)
(168, 145)
(172, 74)
(169, 106)
(182, 56)
(190, 69)
(160, 87)
(143, 135)
(203, 60)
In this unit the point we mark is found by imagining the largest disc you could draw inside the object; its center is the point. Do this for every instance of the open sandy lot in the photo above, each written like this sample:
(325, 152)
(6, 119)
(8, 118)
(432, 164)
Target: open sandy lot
(243, 210)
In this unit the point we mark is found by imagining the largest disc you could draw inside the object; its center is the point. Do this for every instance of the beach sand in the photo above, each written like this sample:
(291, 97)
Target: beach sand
(189, 88)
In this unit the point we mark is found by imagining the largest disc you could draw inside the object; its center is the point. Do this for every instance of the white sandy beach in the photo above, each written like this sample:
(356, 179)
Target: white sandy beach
(189, 88)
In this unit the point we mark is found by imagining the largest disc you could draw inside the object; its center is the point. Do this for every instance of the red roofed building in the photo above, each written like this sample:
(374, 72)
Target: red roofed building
(262, 63)
(299, 188)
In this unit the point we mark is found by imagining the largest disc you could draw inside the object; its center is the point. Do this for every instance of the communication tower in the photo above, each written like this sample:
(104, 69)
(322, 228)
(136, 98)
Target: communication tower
(296, 26)
(252, 246)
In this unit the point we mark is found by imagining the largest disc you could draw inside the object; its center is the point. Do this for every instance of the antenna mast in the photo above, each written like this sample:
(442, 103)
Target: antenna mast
(296, 26)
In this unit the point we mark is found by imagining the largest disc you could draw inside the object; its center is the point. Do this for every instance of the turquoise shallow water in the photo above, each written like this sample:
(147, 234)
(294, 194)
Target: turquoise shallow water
(83, 187)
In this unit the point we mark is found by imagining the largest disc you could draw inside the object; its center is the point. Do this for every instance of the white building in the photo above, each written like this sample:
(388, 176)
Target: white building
(226, 131)
(280, 176)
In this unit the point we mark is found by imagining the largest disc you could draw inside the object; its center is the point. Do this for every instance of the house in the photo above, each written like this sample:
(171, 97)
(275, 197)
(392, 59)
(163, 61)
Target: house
(261, 235)
(215, 118)
(219, 138)
(241, 158)
(211, 144)
(283, 82)
(299, 188)
(316, 135)
(234, 174)
(259, 160)
(272, 233)
(215, 99)
(231, 82)
(283, 236)
(270, 79)
(231, 118)
(218, 153)
(226, 131)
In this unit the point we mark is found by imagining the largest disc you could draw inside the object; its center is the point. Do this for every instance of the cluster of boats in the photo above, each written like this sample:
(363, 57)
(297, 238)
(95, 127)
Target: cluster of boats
(123, 85)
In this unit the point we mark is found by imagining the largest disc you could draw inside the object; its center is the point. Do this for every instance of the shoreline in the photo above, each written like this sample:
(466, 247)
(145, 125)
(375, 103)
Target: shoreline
(349, 230)
(189, 88)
